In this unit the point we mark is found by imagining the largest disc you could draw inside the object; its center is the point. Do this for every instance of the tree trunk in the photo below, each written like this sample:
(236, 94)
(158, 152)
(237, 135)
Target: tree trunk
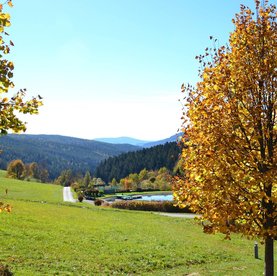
(269, 260)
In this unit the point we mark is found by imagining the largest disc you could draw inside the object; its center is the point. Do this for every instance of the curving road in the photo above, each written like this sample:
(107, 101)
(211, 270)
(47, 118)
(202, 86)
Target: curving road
(67, 195)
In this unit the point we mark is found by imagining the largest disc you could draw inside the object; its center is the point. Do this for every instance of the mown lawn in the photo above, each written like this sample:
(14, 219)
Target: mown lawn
(40, 238)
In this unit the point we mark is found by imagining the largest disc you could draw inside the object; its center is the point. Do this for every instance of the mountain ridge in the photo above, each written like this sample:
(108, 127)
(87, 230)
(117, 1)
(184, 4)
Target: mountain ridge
(122, 140)
(138, 142)
(173, 138)
(57, 153)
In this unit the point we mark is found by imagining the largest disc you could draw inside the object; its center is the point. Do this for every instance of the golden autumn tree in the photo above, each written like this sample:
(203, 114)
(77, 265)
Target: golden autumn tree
(11, 107)
(230, 142)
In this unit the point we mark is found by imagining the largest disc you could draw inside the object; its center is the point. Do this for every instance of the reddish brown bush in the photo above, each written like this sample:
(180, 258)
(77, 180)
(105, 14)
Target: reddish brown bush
(157, 206)
(98, 202)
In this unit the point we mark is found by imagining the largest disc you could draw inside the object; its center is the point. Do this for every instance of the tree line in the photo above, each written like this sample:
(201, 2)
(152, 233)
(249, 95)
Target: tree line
(17, 169)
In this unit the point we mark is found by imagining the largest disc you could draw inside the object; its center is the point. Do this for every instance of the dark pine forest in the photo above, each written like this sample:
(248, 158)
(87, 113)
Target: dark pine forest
(153, 158)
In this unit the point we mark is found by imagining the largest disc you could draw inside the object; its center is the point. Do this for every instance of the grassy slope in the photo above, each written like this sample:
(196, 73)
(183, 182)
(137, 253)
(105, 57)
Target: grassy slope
(29, 191)
(39, 238)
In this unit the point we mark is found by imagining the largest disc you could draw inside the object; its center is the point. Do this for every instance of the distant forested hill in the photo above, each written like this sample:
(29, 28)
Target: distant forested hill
(123, 140)
(153, 158)
(141, 143)
(57, 153)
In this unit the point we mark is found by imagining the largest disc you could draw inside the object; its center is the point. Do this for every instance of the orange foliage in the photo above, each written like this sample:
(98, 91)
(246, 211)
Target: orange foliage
(230, 157)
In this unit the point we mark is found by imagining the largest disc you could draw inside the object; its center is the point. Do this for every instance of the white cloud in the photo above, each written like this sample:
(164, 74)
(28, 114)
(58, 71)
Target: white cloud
(150, 119)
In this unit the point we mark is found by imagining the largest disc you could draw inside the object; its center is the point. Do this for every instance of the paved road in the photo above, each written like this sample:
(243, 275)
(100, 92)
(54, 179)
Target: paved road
(67, 195)
(177, 215)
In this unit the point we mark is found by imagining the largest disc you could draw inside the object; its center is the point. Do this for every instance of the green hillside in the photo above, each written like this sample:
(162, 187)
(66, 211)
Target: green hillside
(29, 191)
(42, 236)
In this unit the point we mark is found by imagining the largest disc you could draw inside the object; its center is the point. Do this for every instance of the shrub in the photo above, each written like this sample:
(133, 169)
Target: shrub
(98, 202)
(16, 169)
(80, 198)
(157, 206)
(4, 270)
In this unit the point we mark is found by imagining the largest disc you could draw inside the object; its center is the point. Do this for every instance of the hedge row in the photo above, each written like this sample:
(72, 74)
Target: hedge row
(157, 206)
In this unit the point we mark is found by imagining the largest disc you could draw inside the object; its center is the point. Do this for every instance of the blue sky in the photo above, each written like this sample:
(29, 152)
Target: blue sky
(111, 68)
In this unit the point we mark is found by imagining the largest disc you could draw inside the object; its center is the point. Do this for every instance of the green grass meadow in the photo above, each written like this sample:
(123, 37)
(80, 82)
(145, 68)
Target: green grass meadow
(28, 190)
(44, 236)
